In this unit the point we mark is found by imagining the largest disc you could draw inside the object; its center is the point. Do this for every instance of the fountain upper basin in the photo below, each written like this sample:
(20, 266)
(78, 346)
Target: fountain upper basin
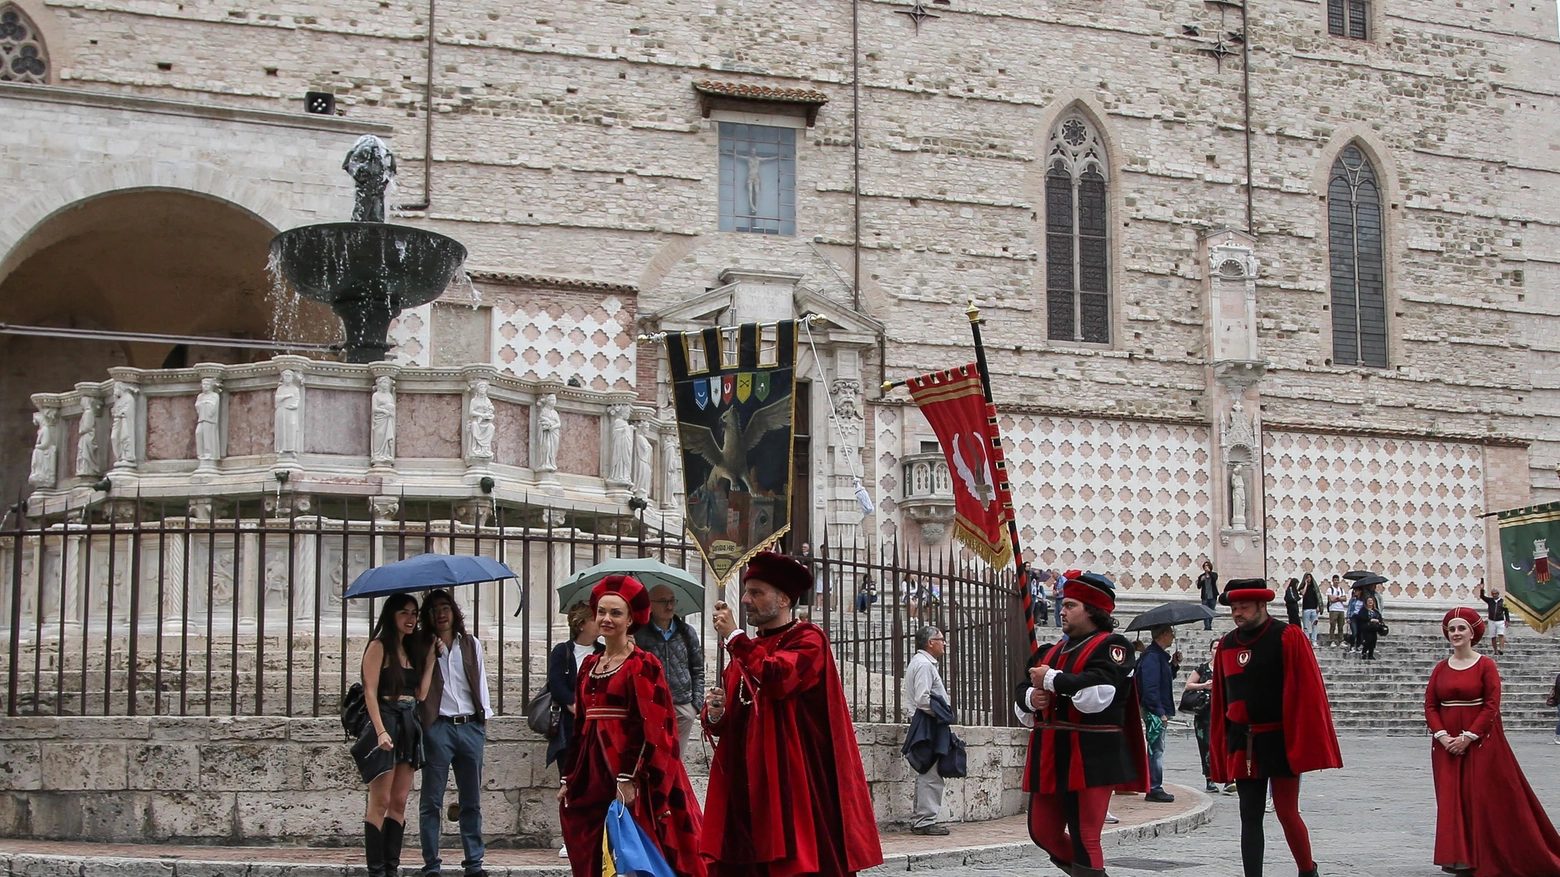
(352, 260)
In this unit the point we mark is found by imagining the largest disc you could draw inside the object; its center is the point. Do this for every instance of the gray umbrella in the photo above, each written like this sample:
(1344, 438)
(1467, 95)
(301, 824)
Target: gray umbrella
(1171, 613)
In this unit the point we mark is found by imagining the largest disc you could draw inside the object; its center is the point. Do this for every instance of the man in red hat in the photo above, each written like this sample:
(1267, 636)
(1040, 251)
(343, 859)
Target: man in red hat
(1270, 721)
(787, 793)
(1088, 735)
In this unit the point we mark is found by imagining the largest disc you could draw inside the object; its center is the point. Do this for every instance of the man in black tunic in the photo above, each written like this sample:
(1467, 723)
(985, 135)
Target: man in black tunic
(1088, 737)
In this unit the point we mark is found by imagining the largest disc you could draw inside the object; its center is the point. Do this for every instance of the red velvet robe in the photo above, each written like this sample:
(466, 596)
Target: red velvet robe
(1310, 743)
(625, 724)
(787, 791)
(1488, 820)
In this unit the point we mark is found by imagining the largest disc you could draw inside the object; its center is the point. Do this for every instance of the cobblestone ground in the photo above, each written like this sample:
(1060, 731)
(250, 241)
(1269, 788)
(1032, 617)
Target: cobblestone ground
(1373, 818)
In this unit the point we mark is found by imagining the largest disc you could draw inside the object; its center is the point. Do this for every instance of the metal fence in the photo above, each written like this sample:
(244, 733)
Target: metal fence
(155, 611)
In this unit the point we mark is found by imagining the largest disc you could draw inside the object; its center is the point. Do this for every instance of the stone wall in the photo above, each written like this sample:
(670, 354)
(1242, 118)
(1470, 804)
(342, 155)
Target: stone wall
(276, 780)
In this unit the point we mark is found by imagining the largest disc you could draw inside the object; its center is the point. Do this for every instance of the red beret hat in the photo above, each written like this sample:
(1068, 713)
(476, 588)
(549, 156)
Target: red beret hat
(1474, 619)
(1246, 591)
(632, 592)
(787, 574)
(1091, 589)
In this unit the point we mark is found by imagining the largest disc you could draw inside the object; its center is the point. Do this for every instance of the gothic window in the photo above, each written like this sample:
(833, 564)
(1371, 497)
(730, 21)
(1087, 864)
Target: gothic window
(1348, 18)
(22, 55)
(1077, 282)
(757, 179)
(1354, 237)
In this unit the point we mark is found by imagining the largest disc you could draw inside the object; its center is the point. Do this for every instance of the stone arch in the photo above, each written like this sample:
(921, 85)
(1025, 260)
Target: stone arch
(25, 55)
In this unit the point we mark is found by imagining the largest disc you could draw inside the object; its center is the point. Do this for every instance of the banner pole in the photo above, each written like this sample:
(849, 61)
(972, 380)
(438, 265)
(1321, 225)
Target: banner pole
(1021, 576)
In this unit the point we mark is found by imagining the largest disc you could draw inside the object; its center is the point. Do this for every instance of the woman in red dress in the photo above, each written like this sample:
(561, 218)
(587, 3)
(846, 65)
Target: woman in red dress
(625, 743)
(1488, 822)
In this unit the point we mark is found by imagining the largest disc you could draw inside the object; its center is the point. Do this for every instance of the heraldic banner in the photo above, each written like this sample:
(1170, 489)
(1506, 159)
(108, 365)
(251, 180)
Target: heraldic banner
(1529, 538)
(735, 425)
(954, 402)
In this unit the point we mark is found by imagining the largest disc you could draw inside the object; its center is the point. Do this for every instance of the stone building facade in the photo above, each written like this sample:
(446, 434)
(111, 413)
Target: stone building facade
(1184, 223)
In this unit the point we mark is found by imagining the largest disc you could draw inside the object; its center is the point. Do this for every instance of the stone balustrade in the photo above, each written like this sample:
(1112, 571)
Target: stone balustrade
(339, 429)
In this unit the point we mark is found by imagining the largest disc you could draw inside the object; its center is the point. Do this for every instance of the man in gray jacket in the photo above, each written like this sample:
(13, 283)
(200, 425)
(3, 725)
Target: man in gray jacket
(923, 678)
(677, 647)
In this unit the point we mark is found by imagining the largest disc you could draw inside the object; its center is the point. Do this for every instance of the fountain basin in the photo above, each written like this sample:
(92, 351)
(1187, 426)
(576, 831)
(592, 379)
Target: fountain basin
(368, 272)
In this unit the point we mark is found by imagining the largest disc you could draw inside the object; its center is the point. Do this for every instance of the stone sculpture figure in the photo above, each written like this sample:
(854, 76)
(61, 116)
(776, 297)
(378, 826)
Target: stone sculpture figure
(1238, 497)
(620, 464)
(382, 426)
(644, 461)
(479, 420)
(289, 414)
(671, 464)
(372, 166)
(549, 428)
(208, 439)
(122, 429)
(755, 178)
(86, 437)
(45, 452)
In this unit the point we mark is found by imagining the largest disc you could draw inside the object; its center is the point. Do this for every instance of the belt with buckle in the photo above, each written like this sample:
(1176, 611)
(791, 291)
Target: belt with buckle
(461, 720)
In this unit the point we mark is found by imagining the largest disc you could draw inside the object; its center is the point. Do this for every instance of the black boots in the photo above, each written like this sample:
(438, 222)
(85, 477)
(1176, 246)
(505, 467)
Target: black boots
(374, 850)
(1310, 873)
(393, 832)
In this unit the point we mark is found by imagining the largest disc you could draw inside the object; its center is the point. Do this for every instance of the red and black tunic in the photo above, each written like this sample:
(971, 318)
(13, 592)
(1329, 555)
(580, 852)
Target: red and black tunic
(1070, 749)
(1270, 716)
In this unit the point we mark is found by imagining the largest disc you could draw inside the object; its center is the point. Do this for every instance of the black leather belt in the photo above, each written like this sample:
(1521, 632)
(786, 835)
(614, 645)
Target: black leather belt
(461, 720)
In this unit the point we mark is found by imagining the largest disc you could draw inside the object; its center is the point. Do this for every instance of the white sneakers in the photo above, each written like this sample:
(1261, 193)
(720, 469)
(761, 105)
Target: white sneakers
(563, 852)
(1111, 819)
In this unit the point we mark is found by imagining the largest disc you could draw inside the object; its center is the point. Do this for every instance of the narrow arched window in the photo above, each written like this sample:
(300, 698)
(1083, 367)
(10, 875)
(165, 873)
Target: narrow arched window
(22, 54)
(1355, 241)
(1077, 279)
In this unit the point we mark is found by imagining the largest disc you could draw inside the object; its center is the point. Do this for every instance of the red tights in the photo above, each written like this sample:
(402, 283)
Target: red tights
(1286, 806)
(1067, 825)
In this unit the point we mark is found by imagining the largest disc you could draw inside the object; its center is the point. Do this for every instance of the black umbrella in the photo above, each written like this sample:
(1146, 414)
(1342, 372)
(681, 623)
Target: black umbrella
(1356, 575)
(1370, 581)
(1171, 613)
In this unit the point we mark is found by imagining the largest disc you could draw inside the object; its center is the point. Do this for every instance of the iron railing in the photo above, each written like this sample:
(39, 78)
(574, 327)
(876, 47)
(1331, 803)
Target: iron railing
(155, 611)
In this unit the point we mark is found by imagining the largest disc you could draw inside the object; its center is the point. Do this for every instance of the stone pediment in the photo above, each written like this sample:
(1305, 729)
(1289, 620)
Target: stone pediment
(747, 296)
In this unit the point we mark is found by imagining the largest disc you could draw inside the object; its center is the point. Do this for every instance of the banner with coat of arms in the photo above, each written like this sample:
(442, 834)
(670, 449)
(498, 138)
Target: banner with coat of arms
(735, 425)
(1529, 540)
(954, 402)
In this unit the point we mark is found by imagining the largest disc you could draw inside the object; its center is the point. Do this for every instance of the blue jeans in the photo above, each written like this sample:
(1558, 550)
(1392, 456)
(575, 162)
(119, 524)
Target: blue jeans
(1058, 602)
(1156, 763)
(448, 745)
(1308, 622)
(1213, 606)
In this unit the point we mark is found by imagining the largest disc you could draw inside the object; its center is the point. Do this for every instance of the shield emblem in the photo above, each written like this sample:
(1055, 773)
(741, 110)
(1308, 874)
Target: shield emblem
(1118, 654)
(714, 390)
(728, 388)
(744, 386)
(1243, 658)
(701, 394)
(761, 385)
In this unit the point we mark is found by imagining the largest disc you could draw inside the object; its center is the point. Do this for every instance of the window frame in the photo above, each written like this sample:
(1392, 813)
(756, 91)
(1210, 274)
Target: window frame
(783, 223)
(32, 39)
(1076, 154)
(1346, 183)
(1346, 14)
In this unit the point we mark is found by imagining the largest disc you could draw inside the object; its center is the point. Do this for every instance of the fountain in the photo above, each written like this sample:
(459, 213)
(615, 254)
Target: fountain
(367, 270)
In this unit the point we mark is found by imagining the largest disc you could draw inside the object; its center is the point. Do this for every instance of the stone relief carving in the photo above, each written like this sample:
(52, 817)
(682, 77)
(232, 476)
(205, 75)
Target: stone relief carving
(289, 414)
(208, 439)
(620, 462)
(86, 437)
(1241, 432)
(479, 422)
(549, 428)
(45, 449)
(122, 429)
(644, 461)
(382, 423)
(384, 508)
(1238, 496)
(671, 464)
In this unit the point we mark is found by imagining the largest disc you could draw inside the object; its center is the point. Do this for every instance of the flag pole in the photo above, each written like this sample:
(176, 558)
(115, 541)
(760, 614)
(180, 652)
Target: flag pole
(1027, 594)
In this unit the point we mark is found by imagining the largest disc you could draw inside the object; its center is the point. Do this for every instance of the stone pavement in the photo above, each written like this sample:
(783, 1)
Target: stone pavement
(1373, 818)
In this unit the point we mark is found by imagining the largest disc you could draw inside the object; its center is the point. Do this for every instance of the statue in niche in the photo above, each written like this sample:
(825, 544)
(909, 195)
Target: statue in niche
(382, 425)
(644, 461)
(86, 437)
(549, 427)
(372, 166)
(208, 405)
(479, 420)
(289, 414)
(122, 429)
(1238, 496)
(620, 465)
(44, 451)
(671, 464)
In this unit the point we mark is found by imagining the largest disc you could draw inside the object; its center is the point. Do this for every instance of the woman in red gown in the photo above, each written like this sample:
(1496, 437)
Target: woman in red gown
(625, 743)
(1488, 822)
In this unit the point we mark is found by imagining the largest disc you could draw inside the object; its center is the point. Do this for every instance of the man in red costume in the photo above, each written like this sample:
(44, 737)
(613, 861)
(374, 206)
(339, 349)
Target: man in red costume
(787, 794)
(1088, 735)
(1270, 721)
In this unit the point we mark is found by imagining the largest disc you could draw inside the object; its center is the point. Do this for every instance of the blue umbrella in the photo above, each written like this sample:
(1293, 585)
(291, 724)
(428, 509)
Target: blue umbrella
(426, 572)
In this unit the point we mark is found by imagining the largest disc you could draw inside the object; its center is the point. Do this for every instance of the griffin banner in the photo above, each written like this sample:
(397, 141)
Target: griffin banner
(954, 402)
(734, 421)
(1528, 539)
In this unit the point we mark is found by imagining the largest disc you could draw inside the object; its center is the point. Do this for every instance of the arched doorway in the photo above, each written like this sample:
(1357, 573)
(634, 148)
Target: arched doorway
(144, 261)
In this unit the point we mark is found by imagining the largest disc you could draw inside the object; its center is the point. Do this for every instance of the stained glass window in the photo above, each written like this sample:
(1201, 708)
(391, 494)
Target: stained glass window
(1355, 242)
(1077, 243)
(22, 54)
(757, 179)
(1348, 18)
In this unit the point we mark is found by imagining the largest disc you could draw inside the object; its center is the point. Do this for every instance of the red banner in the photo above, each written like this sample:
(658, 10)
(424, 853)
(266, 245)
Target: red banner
(966, 426)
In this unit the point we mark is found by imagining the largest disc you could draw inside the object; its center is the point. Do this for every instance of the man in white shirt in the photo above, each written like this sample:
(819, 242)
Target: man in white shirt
(454, 719)
(1337, 611)
(923, 678)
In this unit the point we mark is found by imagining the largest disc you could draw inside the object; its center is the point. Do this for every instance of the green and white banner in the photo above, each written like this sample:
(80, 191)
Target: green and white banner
(1529, 542)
